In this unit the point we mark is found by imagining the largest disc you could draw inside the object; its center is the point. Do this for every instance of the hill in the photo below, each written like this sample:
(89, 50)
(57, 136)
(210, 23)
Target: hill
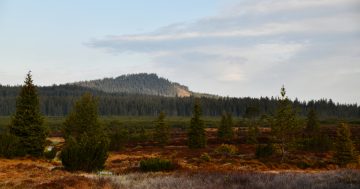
(142, 83)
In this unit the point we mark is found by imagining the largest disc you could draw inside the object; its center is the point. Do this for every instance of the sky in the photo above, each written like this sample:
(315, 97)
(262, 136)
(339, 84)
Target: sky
(231, 48)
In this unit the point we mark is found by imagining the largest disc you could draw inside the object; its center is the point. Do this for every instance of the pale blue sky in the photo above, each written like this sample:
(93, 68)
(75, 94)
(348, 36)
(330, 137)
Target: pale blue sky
(225, 47)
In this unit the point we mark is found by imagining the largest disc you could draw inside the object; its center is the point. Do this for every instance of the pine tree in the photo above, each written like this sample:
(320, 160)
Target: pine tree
(86, 142)
(196, 134)
(27, 123)
(162, 133)
(225, 130)
(345, 151)
(285, 123)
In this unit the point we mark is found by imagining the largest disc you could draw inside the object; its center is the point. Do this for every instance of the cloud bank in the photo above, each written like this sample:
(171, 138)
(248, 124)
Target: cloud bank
(253, 47)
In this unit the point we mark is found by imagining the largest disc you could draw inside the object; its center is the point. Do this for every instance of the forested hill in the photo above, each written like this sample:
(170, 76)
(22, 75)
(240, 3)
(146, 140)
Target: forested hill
(142, 83)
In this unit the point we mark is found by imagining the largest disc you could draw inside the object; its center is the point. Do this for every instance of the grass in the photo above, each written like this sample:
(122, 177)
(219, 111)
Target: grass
(343, 179)
(55, 123)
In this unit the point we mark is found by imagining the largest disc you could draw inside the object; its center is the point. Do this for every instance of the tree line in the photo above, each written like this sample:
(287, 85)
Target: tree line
(57, 100)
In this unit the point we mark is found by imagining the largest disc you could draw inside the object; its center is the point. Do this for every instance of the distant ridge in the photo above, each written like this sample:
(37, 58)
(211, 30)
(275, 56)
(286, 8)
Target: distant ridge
(141, 83)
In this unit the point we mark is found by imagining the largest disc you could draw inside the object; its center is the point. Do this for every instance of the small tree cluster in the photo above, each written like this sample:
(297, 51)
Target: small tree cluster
(86, 143)
(225, 130)
(196, 133)
(313, 139)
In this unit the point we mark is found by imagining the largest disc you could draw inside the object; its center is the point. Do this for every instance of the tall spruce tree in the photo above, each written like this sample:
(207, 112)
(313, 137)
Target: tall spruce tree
(86, 142)
(225, 130)
(162, 132)
(345, 151)
(196, 133)
(27, 123)
(285, 123)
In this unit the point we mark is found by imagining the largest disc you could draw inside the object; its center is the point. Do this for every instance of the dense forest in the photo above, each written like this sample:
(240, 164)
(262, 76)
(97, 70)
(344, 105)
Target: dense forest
(57, 100)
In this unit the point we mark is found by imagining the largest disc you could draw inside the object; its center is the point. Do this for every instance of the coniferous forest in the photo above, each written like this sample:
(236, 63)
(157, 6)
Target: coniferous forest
(57, 100)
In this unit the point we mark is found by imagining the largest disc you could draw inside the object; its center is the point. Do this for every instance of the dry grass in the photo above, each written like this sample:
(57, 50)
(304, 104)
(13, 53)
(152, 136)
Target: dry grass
(218, 173)
(241, 170)
(344, 179)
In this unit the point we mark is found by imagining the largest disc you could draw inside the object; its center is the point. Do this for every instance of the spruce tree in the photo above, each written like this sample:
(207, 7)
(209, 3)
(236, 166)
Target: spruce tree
(162, 133)
(285, 123)
(225, 130)
(345, 151)
(312, 124)
(27, 123)
(86, 142)
(196, 133)
(83, 118)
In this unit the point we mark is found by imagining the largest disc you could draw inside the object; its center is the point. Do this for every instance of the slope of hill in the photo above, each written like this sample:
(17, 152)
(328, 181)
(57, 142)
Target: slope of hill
(142, 83)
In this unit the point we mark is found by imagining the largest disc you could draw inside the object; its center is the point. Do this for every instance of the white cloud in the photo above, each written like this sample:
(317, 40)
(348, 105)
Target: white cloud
(258, 44)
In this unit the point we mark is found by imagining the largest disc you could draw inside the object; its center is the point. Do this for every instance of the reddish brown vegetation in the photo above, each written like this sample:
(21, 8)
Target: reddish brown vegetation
(35, 173)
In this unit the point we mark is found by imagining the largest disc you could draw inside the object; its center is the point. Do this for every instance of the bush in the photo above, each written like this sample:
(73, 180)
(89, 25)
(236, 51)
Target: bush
(50, 153)
(156, 164)
(304, 164)
(205, 157)
(264, 150)
(87, 154)
(10, 146)
(226, 150)
(86, 141)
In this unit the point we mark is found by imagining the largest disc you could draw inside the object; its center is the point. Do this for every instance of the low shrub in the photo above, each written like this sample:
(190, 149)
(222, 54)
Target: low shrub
(10, 146)
(50, 153)
(226, 150)
(87, 154)
(264, 150)
(304, 165)
(205, 157)
(156, 164)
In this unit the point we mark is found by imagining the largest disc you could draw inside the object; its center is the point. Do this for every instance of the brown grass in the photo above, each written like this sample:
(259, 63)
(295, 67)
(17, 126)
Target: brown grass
(242, 170)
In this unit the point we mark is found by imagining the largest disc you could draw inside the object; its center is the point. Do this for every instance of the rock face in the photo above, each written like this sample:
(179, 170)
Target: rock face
(142, 83)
